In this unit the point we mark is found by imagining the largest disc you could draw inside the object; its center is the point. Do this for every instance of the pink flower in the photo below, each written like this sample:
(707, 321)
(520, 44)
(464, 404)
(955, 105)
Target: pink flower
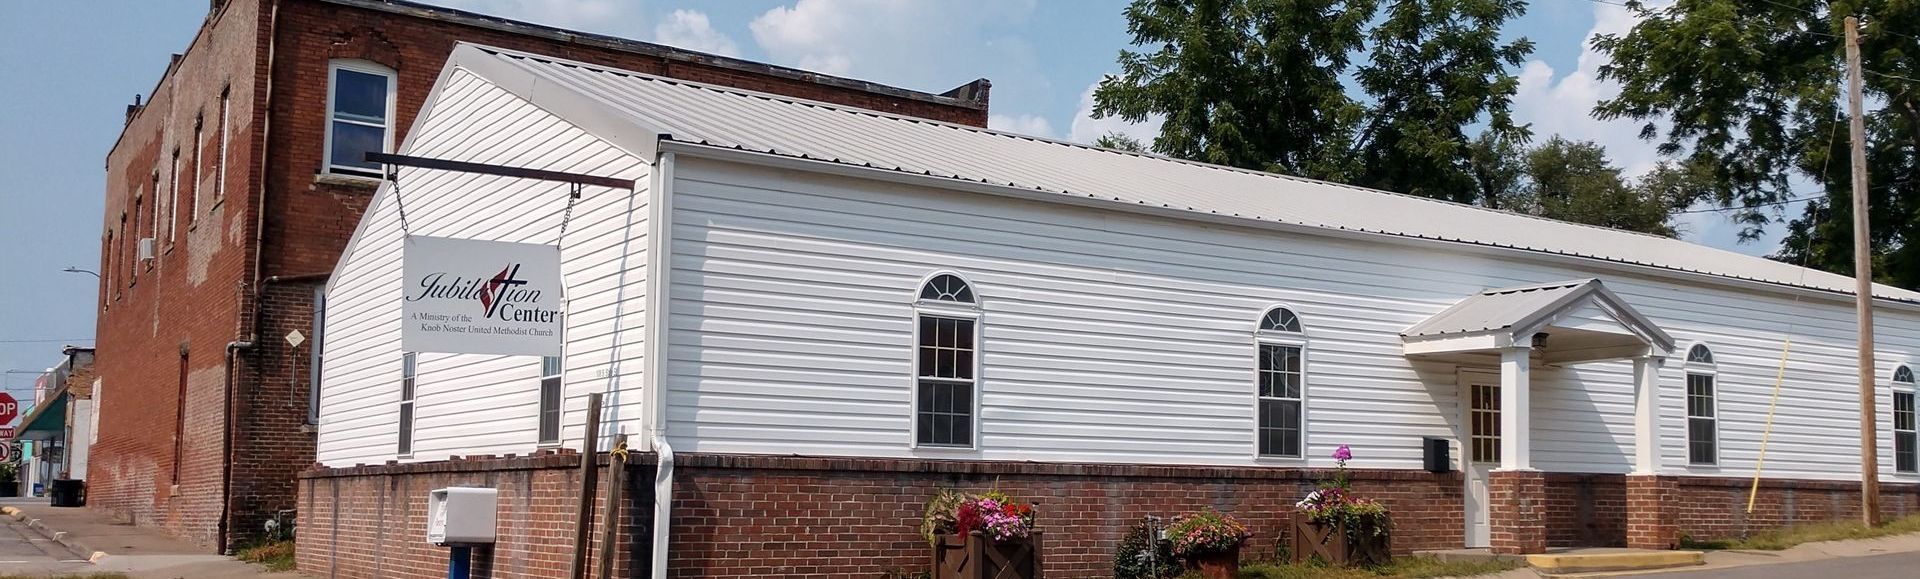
(1343, 453)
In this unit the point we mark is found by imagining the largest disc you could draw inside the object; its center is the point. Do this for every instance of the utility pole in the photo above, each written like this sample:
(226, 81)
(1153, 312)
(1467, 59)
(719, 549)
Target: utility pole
(1863, 287)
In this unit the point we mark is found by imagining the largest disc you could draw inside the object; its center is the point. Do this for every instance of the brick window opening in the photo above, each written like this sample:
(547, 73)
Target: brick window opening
(407, 374)
(220, 155)
(359, 116)
(947, 336)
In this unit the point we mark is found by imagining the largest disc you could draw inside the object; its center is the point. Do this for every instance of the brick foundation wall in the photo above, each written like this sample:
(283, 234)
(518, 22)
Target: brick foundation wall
(753, 516)
(1650, 512)
(1586, 510)
(1716, 507)
(371, 521)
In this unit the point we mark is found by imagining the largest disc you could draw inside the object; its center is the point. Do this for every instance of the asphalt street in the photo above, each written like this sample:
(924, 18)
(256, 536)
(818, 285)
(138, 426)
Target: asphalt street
(23, 551)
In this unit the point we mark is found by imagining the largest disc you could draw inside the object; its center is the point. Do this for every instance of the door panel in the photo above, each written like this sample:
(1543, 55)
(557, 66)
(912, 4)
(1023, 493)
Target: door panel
(1480, 405)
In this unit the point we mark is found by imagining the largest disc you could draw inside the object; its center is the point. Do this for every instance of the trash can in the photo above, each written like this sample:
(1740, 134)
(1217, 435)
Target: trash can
(67, 492)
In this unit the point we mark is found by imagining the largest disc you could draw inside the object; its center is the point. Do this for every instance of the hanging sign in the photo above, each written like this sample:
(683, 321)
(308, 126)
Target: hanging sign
(481, 297)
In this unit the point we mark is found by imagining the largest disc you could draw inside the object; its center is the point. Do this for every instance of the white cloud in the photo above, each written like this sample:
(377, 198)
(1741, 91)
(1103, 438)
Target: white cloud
(1086, 128)
(921, 45)
(691, 30)
(1032, 125)
(613, 17)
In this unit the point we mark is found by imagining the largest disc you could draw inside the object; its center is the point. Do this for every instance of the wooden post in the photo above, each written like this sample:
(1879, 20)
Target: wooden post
(589, 476)
(610, 525)
(1863, 286)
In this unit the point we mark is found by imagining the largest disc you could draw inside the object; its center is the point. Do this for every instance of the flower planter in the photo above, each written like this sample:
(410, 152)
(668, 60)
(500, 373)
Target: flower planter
(1330, 544)
(1218, 564)
(977, 557)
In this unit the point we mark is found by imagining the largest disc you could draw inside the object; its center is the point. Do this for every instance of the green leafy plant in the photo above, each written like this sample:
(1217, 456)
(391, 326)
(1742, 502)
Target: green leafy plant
(1206, 532)
(1335, 503)
(1143, 555)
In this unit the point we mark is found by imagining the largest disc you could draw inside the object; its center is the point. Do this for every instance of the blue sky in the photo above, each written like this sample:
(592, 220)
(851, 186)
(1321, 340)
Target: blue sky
(71, 67)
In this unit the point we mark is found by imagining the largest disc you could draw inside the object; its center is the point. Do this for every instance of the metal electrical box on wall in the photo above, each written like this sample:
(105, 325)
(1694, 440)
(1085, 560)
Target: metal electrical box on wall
(461, 515)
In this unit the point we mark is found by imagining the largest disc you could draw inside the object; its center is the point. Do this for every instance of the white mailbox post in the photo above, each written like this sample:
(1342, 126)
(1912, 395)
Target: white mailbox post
(461, 516)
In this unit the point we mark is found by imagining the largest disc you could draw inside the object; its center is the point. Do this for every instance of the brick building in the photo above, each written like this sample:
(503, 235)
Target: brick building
(230, 194)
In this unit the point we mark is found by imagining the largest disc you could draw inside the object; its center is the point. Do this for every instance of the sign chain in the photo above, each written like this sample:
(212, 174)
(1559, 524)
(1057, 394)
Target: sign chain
(393, 174)
(567, 215)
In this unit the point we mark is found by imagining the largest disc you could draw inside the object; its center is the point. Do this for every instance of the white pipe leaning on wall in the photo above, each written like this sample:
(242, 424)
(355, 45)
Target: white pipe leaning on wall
(659, 238)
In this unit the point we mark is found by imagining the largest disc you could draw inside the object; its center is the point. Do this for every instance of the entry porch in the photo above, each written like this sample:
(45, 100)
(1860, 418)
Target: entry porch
(1498, 339)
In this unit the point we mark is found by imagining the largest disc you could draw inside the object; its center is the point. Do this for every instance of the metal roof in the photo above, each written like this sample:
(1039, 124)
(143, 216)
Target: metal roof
(730, 118)
(1499, 309)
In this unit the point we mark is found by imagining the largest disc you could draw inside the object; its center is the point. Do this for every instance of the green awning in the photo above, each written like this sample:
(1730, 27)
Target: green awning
(47, 420)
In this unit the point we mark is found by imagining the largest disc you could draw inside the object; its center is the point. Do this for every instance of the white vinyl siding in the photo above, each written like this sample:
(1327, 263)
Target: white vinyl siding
(1121, 338)
(484, 404)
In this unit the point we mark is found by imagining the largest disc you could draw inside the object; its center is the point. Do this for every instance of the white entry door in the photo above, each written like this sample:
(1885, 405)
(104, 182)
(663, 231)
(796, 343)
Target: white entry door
(1480, 406)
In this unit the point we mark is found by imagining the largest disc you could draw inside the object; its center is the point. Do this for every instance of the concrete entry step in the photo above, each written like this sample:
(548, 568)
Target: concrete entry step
(1589, 560)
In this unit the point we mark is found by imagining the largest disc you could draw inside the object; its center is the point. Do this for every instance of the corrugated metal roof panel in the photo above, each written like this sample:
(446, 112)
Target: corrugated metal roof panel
(1496, 309)
(733, 118)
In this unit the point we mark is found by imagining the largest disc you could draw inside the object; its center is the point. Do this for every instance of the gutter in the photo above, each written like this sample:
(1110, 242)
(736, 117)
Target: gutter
(659, 267)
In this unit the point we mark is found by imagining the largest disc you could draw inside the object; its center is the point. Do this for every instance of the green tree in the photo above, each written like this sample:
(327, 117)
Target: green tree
(1377, 93)
(1574, 181)
(1120, 141)
(1751, 93)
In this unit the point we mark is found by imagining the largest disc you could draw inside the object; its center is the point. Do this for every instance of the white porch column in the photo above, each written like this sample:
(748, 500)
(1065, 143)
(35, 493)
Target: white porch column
(1646, 414)
(1516, 423)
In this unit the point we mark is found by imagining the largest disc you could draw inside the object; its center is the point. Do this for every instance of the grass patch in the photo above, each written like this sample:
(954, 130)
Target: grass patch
(1782, 538)
(1413, 567)
(276, 556)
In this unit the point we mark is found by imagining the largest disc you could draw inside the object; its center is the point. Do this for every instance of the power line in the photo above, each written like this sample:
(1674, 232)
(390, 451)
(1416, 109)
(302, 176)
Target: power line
(44, 340)
(1726, 20)
(1754, 206)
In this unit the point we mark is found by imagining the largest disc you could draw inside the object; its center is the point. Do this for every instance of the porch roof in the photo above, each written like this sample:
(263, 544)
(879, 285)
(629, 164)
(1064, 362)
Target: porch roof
(1585, 315)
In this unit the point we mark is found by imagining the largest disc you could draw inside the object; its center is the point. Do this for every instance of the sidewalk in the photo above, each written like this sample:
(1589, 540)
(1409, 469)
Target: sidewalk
(1731, 559)
(117, 547)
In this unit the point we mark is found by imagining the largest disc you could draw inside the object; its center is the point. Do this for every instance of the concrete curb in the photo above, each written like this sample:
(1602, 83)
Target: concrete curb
(1554, 564)
(64, 538)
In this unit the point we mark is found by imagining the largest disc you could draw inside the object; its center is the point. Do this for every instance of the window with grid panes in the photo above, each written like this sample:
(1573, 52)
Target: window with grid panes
(945, 382)
(1282, 382)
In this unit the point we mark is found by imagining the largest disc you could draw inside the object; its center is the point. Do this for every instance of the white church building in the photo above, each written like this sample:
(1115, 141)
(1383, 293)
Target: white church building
(807, 318)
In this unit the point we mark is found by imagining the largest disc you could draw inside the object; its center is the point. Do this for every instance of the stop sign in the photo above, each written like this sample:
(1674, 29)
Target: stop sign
(9, 408)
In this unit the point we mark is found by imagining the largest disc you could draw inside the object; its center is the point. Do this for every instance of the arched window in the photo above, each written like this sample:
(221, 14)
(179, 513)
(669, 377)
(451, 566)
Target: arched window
(1904, 452)
(1282, 384)
(947, 343)
(1699, 354)
(1703, 416)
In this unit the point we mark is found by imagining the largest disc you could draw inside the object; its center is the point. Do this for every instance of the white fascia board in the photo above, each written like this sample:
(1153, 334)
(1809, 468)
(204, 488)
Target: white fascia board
(1479, 342)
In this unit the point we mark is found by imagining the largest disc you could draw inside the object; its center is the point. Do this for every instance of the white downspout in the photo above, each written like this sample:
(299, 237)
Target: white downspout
(659, 238)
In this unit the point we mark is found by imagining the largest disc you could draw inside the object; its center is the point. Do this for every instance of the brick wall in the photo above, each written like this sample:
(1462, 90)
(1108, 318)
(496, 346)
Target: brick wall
(173, 316)
(1586, 510)
(741, 516)
(1517, 511)
(1716, 507)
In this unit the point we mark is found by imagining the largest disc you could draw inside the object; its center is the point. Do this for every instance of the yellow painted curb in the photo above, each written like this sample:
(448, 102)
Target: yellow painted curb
(9, 511)
(1629, 561)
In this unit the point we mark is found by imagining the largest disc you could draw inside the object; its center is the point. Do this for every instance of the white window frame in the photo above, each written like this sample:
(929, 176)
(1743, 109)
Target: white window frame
(1298, 339)
(326, 145)
(155, 209)
(954, 310)
(1711, 370)
(559, 408)
(407, 412)
(1908, 388)
(199, 160)
(226, 139)
(173, 199)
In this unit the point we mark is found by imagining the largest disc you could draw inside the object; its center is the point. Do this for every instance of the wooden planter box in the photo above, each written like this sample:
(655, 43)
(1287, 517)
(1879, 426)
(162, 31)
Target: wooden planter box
(1221, 565)
(1329, 543)
(977, 557)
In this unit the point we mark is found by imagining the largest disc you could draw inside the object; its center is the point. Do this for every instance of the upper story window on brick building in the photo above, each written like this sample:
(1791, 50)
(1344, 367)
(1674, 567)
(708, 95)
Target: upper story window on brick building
(199, 159)
(220, 155)
(359, 116)
(173, 198)
(154, 208)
